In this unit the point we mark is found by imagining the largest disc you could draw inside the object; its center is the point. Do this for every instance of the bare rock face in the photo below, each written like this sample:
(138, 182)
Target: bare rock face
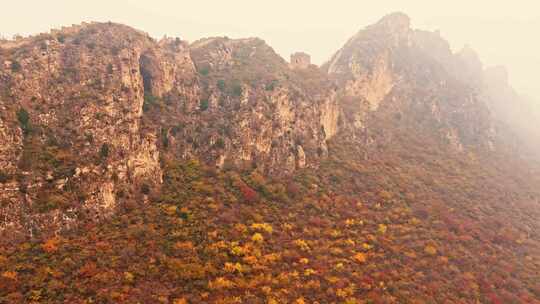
(389, 71)
(89, 111)
(254, 110)
(83, 92)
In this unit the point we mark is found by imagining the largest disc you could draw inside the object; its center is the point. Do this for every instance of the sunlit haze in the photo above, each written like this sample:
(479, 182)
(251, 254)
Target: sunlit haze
(503, 33)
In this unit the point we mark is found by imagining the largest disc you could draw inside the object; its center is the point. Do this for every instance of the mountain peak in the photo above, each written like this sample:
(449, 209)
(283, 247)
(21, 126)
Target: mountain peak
(395, 21)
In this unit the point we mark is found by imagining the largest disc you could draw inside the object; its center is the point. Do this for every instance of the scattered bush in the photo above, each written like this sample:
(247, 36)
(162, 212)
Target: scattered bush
(15, 66)
(145, 189)
(149, 101)
(4, 177)
(24, 120)
(220, 143)
(237, 90)
(104, 151)
(221, 85)
(204, 71)
(204, 104)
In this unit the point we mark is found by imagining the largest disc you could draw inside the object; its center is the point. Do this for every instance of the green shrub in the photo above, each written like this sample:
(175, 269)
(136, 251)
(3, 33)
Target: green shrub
(271, 86)
(164, 138)
(220, 143)
(104, 151)
(145, 189)
(204, 71)
(4, 177)
(204, 105)
(15, 66)
(149, 101)
(24, 120)
(237, 90)
(221, 85)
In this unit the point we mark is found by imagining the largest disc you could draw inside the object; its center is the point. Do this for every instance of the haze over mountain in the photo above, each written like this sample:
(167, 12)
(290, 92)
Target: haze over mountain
(501, 34)
(161, 171)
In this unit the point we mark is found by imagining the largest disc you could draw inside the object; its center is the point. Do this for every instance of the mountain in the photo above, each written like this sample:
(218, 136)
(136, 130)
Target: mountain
(137, 170)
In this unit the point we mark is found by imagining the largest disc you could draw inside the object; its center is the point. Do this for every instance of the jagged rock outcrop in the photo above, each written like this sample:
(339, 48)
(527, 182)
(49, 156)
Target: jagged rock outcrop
(73, 102)
(389, 71)
(254, 110)
(89, 111)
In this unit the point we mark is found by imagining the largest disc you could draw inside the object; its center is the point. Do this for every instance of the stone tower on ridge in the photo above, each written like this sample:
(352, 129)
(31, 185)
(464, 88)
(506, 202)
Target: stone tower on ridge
(300, 60)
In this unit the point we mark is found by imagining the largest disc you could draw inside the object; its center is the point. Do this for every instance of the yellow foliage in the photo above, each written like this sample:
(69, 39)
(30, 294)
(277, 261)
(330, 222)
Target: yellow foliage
(300, 301)
(129, 277)
(272, 301)
(360, 257)
(443, 260)
(304, 261)
(220, 283)
(332, 279)
(367, 246)
(257, 238)
(309, 272)
(180, 301)
(336, 251)
(184, 246)
(431, 250)
(238, 250)
(240, 228)
(262, 227)
(287, 226)
(230, 267)
(250, 260)
(302, 244)
(266, 289)
(171, 210)
(335, 233)
(312, 284)
(9, 275)
(50, 245)
(382, 228)
(414, 221)
(272, 257)
(410, 254)
(350, 222)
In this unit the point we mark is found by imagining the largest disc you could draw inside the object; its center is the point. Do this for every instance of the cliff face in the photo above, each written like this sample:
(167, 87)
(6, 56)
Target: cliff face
(390, 75)
(88, 111)
(72, 105)
(253, 110)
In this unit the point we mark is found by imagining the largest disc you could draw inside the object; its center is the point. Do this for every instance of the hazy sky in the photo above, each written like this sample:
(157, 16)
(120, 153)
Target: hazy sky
(503, 32)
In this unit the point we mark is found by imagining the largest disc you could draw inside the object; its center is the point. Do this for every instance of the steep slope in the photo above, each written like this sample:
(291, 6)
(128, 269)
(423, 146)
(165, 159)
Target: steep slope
(392, 77)
(72, 105)
(88, 111)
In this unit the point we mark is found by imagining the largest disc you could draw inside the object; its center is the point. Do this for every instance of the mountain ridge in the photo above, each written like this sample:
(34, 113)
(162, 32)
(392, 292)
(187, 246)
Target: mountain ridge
(135, 169)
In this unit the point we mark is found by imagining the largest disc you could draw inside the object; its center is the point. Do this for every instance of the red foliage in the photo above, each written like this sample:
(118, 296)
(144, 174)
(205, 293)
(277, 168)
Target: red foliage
(248, 194)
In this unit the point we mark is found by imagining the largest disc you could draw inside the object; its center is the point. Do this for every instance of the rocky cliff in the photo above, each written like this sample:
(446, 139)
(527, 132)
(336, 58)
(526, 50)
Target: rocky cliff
(90, 112)
(390, 72)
